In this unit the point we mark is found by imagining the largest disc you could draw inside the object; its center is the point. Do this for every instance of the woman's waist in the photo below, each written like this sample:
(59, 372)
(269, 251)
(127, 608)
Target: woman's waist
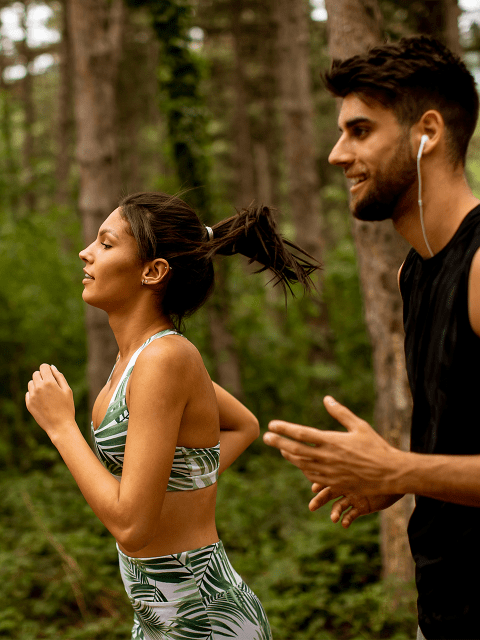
(187, 521)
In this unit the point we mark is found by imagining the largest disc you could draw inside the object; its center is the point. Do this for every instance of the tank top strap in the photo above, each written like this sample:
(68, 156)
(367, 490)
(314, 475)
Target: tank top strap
(122, 384)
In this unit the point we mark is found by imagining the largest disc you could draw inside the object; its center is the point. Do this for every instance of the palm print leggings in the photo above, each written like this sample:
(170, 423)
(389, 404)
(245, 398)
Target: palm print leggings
(195, 594)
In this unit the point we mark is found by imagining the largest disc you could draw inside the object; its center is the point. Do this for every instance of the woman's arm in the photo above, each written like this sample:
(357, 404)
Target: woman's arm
(238, 427)
(130, 509)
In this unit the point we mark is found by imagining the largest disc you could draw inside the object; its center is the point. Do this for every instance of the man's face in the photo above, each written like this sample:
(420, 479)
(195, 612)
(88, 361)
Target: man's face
(374, 152)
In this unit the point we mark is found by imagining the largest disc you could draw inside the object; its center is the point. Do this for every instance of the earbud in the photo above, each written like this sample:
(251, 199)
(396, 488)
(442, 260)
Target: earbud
(423, 141)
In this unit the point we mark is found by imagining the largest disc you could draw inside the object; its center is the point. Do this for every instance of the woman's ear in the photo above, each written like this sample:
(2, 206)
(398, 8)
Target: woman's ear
(155, 272)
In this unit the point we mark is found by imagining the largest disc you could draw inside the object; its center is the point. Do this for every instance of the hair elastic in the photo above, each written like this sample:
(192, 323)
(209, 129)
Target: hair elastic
(210, 232)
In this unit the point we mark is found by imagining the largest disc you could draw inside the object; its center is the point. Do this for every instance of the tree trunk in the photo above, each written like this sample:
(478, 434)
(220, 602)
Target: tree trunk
(439, 18)
(296, 107)
(227, 365)
(29, 116)
(65, 110)
(354, 25)
(10, 175)
(96, 32)
(243, 139)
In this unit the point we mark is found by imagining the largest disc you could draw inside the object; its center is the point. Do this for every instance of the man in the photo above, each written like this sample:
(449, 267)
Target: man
(408, 112)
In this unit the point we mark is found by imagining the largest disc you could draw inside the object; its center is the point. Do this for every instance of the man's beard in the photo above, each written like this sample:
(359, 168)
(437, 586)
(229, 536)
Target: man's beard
(389, 186)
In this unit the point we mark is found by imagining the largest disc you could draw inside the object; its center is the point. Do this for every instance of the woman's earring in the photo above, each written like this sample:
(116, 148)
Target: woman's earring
(144, 282)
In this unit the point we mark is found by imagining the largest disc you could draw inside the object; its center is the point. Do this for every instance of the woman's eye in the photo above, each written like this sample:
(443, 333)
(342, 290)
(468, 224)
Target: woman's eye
(107, 246)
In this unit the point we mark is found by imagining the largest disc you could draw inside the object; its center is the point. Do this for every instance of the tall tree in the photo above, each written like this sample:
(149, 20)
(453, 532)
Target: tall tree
(438, 18)
(27, 57)
(187, 123)
(243, 137)
(96, 32)
(296, 106)
(65, 128)
(354, 25)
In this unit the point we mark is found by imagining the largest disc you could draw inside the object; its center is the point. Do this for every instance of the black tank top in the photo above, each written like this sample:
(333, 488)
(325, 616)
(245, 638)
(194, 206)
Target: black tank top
(443, 365)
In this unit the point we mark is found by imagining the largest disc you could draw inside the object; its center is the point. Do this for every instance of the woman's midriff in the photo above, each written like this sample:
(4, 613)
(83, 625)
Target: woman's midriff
(187, 522)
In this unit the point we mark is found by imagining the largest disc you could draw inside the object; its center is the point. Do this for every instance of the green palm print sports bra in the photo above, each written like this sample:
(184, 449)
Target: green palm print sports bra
(192, 468)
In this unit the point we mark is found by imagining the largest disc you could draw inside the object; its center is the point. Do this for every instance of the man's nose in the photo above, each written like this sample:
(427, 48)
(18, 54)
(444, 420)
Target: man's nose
(340, 155)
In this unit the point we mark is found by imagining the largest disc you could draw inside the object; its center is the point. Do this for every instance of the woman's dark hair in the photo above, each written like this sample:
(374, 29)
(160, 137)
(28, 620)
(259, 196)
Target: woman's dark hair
(410, 77)
(165, 226)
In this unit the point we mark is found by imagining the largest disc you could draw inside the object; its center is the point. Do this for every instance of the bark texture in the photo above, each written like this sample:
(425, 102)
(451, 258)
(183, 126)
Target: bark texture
(439, 18)
(96, 33)
(243, 137)
(296, 107)
(65, 130)
(29, 155)
(354, 25)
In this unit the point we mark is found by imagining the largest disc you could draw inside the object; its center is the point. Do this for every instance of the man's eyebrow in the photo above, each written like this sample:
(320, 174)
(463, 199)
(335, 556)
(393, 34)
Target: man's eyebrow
(356, 121)
(102, 232)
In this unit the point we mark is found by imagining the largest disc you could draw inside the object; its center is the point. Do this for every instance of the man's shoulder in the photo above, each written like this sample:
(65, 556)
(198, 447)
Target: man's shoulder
(474, 292)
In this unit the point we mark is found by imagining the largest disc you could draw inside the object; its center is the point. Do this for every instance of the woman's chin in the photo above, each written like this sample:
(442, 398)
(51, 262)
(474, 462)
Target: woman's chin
(90, 299)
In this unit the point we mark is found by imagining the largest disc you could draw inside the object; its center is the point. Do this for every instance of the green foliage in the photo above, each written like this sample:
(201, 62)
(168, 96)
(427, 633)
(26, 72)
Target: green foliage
(58, 564)
(179, 75)
(317, 581)
(41, 320)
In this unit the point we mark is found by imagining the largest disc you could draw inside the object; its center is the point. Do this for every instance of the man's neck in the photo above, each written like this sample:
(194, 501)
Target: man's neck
(447, 199)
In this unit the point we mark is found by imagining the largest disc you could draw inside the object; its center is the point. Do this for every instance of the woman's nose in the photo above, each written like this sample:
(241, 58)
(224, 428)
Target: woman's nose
(85, 254)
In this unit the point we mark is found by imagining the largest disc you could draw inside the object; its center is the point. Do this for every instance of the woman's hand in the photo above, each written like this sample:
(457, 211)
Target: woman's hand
(49, 399)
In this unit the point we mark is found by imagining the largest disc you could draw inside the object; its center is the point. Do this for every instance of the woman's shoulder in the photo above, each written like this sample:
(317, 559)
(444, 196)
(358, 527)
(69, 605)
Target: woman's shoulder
(172, 354)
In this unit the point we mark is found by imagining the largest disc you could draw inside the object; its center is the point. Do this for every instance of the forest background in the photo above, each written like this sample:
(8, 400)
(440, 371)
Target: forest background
(107, 97)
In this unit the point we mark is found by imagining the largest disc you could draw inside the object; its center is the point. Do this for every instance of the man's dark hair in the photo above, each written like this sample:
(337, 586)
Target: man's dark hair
(411, 76)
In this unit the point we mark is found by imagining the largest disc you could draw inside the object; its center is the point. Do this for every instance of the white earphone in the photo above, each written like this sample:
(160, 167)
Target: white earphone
(423, 140)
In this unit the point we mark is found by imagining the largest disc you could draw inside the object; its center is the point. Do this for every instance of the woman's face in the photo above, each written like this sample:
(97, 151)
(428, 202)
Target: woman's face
(113, 270)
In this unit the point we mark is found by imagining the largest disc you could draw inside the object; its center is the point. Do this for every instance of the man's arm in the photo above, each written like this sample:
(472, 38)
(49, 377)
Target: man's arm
(362, 462)
(474, 293)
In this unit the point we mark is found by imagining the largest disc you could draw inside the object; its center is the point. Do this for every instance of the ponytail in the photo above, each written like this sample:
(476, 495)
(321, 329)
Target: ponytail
(253, 233)
(167, 227)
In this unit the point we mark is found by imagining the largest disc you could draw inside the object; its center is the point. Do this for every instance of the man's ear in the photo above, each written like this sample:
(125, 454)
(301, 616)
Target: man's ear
(155, 272)
(432, 125)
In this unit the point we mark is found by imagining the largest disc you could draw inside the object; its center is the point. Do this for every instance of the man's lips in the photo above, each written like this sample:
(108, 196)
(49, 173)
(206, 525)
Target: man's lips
(356, 182)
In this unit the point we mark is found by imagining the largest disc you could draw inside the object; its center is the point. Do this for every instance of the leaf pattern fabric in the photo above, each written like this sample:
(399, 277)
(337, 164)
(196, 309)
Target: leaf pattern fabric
(191, 469)
(194, 595)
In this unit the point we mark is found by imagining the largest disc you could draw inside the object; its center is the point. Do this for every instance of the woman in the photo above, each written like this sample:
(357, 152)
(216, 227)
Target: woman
(153, 485)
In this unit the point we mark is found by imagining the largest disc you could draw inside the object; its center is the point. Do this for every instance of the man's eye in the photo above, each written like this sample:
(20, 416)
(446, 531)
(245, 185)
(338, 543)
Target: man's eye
(107, 246)
(360, 132)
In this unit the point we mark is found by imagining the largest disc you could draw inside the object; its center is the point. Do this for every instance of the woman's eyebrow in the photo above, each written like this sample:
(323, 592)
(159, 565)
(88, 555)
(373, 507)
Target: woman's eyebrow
(102, 232)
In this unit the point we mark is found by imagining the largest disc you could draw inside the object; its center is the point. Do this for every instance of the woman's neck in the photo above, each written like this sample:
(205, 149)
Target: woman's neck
(132, 329)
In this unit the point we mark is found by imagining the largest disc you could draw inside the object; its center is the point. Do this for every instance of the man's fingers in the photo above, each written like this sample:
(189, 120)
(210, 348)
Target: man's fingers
(302, 462)
(321, 499)
(338, 508)
(295, 431)
(349, 517)
(290, 446)
(343, 415)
